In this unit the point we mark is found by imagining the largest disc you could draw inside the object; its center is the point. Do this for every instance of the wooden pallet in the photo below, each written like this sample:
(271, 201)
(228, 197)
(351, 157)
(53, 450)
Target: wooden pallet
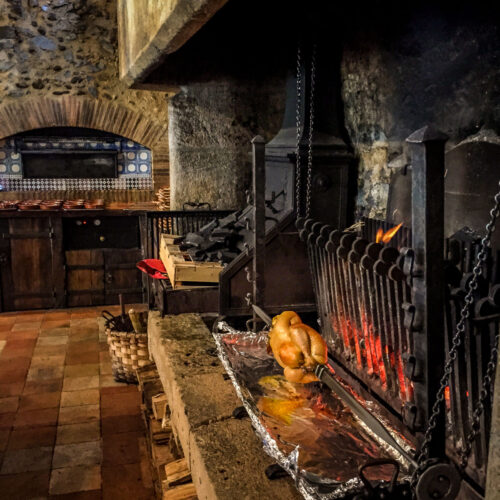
(182, 270)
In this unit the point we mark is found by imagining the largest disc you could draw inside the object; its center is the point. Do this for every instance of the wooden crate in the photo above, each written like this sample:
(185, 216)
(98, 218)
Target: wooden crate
(182, 270)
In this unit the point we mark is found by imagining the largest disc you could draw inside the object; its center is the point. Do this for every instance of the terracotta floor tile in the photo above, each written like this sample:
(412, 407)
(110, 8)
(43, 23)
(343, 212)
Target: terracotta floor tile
(9, 405)
(56, 315)
(123, 388)
(105, 368)
(78, 433)
(78, 398)
(27, 460)
(24, 334)
(86, 314)
(42, 360)
(12, 374)
(11, 389)
(4, 438)
(77, 414)
(117, 425)
(129, 399)
(24, 316)
(26, 325)
(109, 381)
(75, 479)
(82, 347)
(4, 335)
(32, 437)
(39, 401)
(124, 481)
(50, 350)
(121, 448)
(83, 337)
(7, 320)
(35, 418)
(54, 323)
(104, 357)
(7, 420)
(39, 373)
(77, 358)
(73, 455)
(83, 370)
(80, 383)
(38, 386)
(22, 362)
(55, 332)
(25, 485)
(18, 347)
(54, 340)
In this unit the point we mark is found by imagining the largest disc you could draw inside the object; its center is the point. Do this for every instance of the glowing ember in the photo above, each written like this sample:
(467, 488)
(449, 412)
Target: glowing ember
(387, 236)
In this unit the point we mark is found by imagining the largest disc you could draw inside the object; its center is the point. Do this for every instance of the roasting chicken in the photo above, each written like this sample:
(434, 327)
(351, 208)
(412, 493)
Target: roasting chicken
(298, 348)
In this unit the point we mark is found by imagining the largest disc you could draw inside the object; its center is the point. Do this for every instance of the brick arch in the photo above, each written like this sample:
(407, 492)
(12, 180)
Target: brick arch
(70, 111)
(26, 114)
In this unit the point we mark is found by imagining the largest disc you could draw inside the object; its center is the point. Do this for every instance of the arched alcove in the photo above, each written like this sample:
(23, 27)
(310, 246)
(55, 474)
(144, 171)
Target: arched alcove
(31, 114)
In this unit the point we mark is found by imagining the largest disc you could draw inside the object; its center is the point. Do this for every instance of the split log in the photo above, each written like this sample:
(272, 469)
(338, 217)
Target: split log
(177, 473)
(183, 492)
(159, 403)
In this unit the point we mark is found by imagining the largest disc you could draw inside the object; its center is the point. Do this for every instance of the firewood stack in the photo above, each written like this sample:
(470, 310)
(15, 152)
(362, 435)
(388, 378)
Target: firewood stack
(163, 196)
(171, 474)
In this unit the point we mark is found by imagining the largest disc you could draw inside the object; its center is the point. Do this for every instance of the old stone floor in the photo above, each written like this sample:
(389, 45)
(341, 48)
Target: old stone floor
(67, 429)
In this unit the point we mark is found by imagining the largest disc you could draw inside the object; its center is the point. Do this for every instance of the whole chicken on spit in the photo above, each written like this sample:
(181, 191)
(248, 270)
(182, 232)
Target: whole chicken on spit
(298, 348)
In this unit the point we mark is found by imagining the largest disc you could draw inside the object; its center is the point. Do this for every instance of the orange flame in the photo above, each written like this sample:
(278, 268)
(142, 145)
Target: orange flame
(387, 236)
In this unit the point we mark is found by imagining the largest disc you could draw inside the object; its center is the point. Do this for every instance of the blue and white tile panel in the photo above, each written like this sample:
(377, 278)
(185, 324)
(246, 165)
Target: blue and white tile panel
(134, 160)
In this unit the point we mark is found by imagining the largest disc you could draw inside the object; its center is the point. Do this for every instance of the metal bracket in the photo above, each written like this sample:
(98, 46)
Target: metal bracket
(412, 321)
(409, 413)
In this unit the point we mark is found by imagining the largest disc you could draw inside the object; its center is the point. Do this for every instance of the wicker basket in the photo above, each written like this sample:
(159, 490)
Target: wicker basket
(128, 351)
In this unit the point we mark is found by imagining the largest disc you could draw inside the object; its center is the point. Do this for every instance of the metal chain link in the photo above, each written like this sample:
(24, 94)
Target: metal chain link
(311, 130)
(423, 457)
(298, 169)
(486, 390)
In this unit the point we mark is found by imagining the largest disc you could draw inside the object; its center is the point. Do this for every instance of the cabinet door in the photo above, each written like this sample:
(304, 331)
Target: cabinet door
(85, 277)
(31, 263)
(122, 276)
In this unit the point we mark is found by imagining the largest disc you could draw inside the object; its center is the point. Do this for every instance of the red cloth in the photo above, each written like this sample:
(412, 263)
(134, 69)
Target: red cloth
(153, 268)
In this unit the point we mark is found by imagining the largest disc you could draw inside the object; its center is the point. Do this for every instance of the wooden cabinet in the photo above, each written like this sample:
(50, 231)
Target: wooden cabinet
(31, 263)
(121, 275)
(98, 277)
(84, 277)
(36, 272)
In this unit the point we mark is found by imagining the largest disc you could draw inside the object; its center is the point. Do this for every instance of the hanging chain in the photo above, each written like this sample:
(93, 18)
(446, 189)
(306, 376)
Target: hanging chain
(423, 457)
(311, 129)
(486, 390)
(298, 170)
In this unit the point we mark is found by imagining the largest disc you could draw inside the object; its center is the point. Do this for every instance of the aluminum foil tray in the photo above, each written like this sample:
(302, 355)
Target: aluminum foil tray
(305, 428)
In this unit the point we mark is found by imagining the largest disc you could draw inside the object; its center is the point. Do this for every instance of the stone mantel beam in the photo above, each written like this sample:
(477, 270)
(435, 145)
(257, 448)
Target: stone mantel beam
(225, 456)
(149, 30)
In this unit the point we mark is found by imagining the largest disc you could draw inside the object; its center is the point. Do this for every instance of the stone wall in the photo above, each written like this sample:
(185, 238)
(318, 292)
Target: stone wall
(405, 67)
(210, 127)
(68, 48)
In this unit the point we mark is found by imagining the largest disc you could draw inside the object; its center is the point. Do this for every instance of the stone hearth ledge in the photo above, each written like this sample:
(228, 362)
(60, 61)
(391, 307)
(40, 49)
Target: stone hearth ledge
(226, 457)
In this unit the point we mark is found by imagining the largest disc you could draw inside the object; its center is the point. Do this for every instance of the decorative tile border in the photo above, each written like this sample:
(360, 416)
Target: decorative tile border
(128, 182)
(134, 160)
